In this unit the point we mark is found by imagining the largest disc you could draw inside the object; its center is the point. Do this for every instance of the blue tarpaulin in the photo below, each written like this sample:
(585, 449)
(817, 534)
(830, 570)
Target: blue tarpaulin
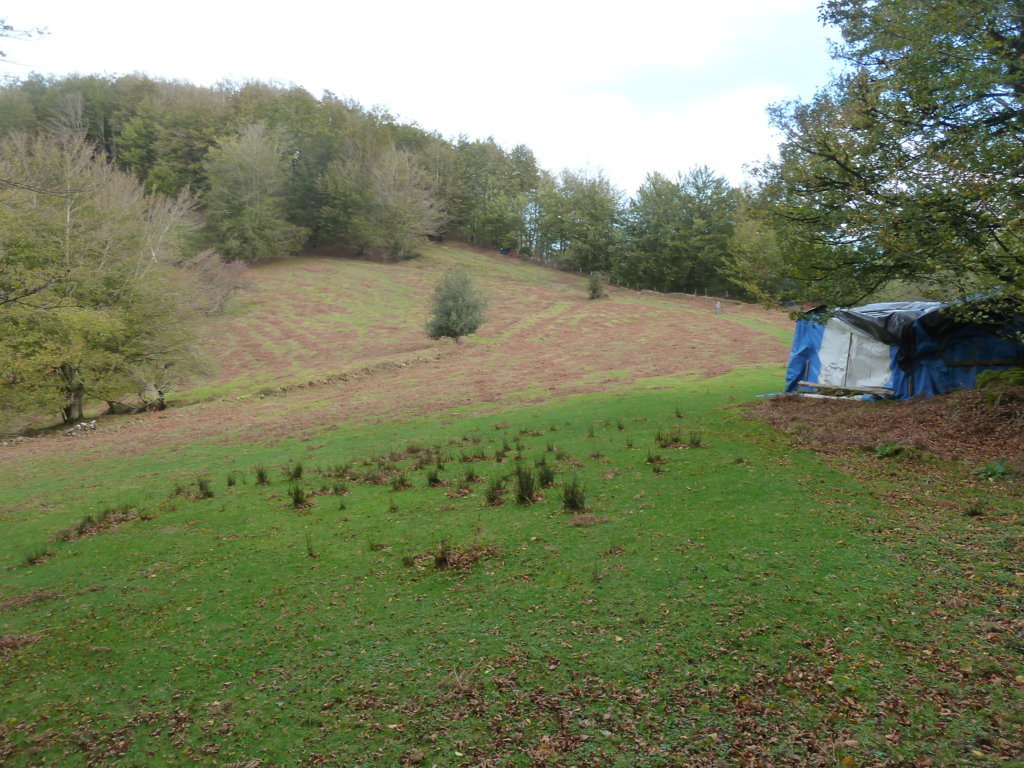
(903, 350)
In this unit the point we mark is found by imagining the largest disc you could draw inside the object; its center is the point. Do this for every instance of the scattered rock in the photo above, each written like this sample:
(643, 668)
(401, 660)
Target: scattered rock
(15, 441)
(81, 429)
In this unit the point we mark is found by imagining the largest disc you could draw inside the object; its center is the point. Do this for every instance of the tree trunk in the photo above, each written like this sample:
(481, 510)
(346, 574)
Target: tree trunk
(74, 390)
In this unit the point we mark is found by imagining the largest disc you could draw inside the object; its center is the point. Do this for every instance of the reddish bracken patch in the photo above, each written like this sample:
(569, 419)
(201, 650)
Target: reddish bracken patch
(321, 367)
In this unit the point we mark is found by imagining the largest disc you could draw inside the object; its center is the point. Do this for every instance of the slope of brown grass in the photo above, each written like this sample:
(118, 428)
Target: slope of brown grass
(321, 340)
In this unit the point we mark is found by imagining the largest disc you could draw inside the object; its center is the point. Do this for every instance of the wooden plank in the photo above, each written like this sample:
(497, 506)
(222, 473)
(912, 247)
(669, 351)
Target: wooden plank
(880, 391)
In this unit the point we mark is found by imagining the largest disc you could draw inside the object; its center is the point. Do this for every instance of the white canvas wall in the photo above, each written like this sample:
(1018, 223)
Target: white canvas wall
(850, 358)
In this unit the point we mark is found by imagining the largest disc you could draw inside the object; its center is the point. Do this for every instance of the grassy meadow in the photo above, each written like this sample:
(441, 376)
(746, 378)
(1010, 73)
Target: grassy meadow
(513, 552)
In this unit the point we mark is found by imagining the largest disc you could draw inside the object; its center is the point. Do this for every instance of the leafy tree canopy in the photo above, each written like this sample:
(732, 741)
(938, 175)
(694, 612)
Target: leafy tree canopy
(245, 201)
(907, 166)
(277, 170)
(678, 232)
(93, 298)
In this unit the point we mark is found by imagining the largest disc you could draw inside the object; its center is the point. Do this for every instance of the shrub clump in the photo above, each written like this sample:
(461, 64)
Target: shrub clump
(457, 309)
(995, 470)
(891, 450)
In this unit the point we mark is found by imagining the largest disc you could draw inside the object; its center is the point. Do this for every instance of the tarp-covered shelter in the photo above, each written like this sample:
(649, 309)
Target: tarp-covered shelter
(900, 350)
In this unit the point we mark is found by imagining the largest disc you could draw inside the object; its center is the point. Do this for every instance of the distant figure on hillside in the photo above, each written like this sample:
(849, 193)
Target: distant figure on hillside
(718, 307)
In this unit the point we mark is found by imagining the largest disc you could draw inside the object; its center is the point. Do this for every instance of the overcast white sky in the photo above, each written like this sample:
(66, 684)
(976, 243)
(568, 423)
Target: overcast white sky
(625, 88)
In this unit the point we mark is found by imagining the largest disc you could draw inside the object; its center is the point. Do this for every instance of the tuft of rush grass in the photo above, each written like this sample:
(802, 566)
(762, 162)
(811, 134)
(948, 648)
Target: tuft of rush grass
(495, 493)
(443, 554)
(545, 473)
(524, 483)
(299, 496)
(203, 488)
(40, 555)
(710, 606)
(574, 495)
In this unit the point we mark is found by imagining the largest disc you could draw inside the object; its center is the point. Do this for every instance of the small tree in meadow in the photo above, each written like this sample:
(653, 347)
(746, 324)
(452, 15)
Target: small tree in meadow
(458, 308)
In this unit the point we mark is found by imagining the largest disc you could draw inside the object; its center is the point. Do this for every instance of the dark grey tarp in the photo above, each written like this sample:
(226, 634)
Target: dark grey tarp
(893, 323)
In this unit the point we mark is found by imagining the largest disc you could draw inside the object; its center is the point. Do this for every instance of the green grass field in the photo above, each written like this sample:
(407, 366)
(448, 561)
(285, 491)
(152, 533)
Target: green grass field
(383, 598)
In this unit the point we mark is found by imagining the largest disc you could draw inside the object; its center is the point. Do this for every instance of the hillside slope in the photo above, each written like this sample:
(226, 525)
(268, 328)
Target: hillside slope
(321, 340)
(316, 317)
(428, 556)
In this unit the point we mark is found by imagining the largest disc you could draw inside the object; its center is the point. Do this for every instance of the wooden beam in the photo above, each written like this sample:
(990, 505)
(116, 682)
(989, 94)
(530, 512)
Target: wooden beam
(880, 391)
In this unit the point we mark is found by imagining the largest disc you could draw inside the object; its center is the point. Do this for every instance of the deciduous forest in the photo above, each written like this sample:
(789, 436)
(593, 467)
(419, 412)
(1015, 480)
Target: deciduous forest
(126, 199)
(273, 170)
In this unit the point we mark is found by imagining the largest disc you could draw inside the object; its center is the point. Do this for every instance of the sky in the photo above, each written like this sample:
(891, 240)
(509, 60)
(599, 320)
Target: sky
(622, 88)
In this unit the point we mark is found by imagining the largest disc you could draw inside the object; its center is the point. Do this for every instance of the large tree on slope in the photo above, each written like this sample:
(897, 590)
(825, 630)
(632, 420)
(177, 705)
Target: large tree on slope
(93, 299)
(908, 167)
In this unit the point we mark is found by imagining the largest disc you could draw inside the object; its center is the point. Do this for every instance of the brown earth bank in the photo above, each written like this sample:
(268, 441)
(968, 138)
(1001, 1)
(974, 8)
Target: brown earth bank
(972, 426)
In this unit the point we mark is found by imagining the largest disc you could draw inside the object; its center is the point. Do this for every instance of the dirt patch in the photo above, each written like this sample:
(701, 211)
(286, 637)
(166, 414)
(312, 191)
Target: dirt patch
(91, 525)
(10, 643)
(450, 557)
(587, 519)
(27, 599)
(970, 426)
